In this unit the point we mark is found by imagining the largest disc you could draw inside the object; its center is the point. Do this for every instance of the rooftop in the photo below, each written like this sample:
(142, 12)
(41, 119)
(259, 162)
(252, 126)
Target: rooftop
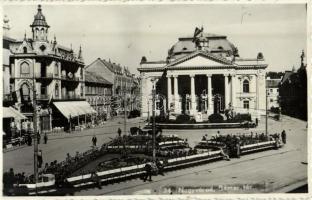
(93, 77)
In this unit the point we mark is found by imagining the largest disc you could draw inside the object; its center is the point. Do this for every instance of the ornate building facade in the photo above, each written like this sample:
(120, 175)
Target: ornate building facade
(98, 94)
(203, 74)
(124, 83)
(55, 72)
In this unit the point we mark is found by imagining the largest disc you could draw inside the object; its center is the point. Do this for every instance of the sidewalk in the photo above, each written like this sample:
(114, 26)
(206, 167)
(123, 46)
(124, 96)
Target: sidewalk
(115, 122)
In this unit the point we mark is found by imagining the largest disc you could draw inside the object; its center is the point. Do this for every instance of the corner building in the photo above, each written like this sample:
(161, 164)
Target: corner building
(54, 71)
(203, 74)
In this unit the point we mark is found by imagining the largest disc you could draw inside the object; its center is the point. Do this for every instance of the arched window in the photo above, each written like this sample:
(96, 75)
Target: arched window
(246, 86)
(24, 49)
(25, 69)
(56, 90)
(26, 92)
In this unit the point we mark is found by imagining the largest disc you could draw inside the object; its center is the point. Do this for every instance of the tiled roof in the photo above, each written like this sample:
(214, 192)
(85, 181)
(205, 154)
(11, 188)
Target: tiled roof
(92, 77)
(272, 83)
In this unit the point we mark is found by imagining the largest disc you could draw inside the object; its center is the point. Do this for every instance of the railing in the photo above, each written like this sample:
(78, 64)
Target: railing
(67, 78)
(43, 96)
(68, 97)
(38, 76)
(7, 97)
(246, 94)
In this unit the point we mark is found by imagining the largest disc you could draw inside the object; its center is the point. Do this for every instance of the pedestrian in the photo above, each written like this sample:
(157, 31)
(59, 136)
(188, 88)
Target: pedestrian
(94, 140)
(119, 132)
(283, 136)
(95, 178)
(29, 139)
(148, 172)
(45, 138)
(40, 160)
(160, 167)
(38, 137)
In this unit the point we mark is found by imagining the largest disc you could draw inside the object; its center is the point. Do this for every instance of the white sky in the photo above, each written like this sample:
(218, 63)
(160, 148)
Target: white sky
(125, 33)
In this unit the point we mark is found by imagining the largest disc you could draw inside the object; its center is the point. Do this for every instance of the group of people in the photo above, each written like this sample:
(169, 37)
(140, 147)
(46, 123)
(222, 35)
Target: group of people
(10, 178)
(153, 168)
(246, 139)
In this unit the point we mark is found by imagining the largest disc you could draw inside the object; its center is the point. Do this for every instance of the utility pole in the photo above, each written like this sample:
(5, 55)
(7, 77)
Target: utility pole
(35, 131)
(266, 111)
(154, 125)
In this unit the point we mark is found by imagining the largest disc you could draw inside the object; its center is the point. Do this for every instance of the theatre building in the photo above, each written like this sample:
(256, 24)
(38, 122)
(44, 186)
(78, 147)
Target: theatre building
(203, 74)
(55, 72)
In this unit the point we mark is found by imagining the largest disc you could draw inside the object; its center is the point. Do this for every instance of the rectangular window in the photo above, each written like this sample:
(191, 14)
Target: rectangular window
(271, 90)
(271, 100)
(81, 91)
(43, 90)
(246, 104)
(56, 70)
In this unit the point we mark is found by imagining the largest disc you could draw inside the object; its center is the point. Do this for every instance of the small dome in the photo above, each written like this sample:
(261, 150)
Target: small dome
(39, 19)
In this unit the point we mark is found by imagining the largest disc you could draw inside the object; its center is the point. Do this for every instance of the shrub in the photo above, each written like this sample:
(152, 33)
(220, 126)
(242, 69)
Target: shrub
(158, 119)
(242, 117)
(183, 119)
(215, 118)
(275, 110)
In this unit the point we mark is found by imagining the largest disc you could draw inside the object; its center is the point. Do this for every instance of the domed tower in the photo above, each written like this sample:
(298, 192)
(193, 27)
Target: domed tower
(39, 26)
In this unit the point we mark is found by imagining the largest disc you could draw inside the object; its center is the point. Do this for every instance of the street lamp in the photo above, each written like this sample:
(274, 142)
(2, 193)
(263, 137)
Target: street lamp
(266, 111)
(154, 124)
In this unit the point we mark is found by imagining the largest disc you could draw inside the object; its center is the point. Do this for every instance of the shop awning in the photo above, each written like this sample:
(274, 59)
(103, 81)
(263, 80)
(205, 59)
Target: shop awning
(74, 108)
(9, 112)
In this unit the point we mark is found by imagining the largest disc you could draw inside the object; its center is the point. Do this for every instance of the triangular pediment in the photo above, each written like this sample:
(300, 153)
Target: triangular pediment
(200, 60)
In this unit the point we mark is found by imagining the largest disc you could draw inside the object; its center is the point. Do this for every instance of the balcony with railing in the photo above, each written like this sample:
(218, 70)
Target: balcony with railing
(38, 76)
(69, 78)
(246, 94)
(43, 97)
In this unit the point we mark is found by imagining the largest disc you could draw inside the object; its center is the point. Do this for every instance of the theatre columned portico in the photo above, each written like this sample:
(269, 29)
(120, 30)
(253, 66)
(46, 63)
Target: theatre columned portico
(204, 78)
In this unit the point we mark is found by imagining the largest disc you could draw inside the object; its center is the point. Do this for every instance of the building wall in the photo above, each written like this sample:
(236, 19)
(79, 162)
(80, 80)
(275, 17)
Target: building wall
(6, 70)
(255, 96)
(273, 98)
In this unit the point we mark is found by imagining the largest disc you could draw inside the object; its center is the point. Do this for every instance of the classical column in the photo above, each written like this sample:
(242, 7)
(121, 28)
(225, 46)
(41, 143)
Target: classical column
(193, 98)
(257, 91)
(233, 92)
(169, 91)
(176, 94)
(209, 94)
(226, 91)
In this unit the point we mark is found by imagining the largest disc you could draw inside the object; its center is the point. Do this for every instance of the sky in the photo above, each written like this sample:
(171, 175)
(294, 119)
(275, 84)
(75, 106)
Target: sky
(125, 33)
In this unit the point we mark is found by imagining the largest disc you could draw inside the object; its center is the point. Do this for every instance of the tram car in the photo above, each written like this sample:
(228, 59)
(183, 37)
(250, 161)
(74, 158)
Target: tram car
(45, 185)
